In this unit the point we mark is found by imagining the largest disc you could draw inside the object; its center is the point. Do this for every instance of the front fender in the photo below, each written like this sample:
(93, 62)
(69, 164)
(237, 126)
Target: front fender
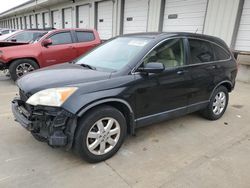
(78, 104)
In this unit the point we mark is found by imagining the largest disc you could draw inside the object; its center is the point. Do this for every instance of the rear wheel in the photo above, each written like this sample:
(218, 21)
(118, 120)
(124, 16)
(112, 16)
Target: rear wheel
(217, 105)
(21, 67)
(100, 134)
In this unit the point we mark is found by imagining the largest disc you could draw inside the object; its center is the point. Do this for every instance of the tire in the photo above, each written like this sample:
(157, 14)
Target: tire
(83, 142)
(210, 111)
(38, 137)
(24, 66)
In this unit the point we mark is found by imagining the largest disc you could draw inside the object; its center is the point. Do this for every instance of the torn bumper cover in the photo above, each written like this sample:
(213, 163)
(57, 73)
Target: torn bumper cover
(55, 125)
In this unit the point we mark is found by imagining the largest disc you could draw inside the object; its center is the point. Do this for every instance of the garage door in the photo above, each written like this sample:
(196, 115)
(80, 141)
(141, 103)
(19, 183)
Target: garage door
(21, 22)
(135, 16)
(243, 38)
(105, 19)
(83, 16)
(14, 23)
(55, 19)
(184, 15)
(17, 23)
(67, 17)
(33, 21)
(39, 21)
(27, 22)
(46, 23)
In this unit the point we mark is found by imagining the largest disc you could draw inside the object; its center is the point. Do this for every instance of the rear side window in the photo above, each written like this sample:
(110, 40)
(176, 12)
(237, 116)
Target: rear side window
(200, 51)
(84, 36)
(220, 53)
(61, 38)
(5, 32)
(27, 36)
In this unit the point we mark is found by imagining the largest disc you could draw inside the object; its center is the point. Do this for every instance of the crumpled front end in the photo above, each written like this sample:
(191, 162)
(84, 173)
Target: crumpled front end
(53, 124)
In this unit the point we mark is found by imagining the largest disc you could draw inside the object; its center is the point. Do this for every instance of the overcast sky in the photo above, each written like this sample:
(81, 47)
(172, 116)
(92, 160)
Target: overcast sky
(8, 4)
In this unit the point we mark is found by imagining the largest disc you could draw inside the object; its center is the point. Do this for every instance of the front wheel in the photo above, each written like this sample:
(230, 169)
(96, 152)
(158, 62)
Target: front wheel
(21, 67)
(217, 105)
(100, 134)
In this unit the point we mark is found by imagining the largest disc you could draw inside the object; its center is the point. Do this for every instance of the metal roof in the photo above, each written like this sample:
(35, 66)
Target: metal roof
(21, 5)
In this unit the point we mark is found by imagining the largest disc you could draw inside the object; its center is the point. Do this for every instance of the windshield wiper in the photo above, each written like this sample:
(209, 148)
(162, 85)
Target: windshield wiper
(88, 66)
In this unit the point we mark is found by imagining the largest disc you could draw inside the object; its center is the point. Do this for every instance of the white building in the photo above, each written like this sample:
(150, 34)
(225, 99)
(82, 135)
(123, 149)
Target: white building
(227, 19)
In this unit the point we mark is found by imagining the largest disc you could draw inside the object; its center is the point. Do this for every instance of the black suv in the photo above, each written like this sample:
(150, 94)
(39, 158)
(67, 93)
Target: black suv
(134, 80)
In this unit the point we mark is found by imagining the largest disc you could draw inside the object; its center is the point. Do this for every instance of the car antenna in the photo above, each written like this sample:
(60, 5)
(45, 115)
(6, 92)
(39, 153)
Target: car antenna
(196, 31)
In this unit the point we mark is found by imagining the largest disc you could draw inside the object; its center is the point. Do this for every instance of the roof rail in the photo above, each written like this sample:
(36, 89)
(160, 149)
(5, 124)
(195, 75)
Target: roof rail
(41, 29)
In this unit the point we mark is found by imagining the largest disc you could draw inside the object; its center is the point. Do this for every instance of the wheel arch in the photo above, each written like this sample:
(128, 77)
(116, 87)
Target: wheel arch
(227, 84)
(120, 104)
(30, 58)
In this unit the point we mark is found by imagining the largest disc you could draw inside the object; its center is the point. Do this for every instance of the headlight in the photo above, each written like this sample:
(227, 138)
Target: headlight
(51, 97)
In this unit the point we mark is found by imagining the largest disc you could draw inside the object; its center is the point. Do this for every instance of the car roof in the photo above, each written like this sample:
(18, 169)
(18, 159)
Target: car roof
(50, 30)
(34, 30)
(167, 34)
(161, 35)
(72, 29)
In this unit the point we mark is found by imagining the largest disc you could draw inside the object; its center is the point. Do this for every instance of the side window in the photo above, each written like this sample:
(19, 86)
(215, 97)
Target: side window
(170, 53)
(200, 51)
(220, 53)
(27, 36)
(5, 32)
(61, 38)
(84, 36)
(22, 37)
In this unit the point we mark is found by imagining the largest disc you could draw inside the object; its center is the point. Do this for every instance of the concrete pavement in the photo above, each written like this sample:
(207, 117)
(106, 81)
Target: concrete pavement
(185, 152)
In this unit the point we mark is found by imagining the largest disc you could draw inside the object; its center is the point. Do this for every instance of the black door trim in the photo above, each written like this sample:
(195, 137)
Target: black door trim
(154, 118)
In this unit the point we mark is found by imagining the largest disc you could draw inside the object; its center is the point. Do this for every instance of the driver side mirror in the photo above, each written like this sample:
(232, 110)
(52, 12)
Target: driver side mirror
(152, 67)
(46, 42)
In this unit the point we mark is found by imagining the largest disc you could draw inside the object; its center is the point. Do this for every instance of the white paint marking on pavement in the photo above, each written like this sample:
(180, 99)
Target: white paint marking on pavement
(13, 159)
(3, 179)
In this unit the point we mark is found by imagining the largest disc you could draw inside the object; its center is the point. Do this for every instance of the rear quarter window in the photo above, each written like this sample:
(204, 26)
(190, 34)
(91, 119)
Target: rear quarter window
(220, 53)
(84, 36)
(200, 51)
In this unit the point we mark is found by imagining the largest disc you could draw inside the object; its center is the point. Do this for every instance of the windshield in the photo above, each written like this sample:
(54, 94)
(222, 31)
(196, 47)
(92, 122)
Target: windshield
(114, 55)
(26, 36)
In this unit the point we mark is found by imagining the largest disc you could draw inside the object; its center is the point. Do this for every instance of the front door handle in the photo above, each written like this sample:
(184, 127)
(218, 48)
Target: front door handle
(181, 72)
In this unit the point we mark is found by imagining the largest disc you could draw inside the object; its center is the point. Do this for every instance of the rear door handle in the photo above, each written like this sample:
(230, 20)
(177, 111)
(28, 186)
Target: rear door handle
(181, 72)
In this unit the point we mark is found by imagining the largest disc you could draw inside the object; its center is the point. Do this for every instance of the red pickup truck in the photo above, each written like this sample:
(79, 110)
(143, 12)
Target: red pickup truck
(28, 50)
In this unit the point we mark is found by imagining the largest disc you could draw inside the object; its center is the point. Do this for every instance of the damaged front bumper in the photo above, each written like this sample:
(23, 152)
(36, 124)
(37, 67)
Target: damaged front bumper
(55, 125)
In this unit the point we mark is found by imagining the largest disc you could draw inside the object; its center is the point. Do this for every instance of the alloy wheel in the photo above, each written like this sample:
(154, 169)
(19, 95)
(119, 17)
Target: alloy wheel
(219, 103)
(23, 69)
(103, 136)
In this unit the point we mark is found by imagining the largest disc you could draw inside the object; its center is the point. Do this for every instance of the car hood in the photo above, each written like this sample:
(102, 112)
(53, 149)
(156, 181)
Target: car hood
(59, 76)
